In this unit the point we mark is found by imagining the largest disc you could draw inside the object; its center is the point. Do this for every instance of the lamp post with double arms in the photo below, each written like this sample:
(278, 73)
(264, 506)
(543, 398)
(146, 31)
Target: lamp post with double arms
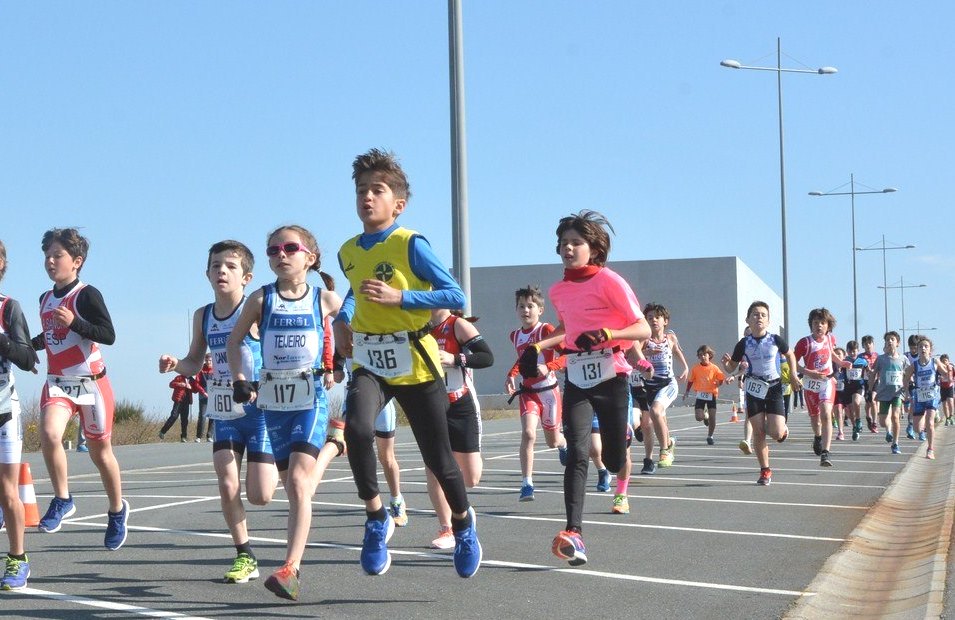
(885, 291)
(853, 193)
(735, 64)
(902, 286)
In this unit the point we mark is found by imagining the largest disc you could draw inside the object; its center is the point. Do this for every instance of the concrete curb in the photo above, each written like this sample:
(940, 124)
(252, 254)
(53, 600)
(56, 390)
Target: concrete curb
(894, 563)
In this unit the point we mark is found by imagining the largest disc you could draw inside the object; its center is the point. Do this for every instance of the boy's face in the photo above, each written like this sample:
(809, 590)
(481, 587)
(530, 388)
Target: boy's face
(820, 327)
(852, 351)
(891, 345)
(528, 312)
(869, 346)
(657, 322)
(60, 266)
(574, 250)
(925, 349)
(377, 205)
(704, 357)
(225, 272)
(758, 320)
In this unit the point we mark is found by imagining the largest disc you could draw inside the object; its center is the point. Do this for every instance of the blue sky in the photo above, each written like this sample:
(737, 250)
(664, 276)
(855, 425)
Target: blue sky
(161, 127)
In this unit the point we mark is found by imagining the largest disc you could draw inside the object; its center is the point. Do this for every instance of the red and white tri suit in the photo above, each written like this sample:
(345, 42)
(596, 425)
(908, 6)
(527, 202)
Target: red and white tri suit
(539, 395)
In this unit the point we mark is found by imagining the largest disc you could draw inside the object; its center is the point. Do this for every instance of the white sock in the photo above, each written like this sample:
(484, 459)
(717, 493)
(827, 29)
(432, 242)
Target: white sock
(528, 480)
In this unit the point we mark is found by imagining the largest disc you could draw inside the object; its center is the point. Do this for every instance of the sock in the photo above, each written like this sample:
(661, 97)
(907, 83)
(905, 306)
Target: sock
(245, 548)
(399, 499)
(528, 481)
(574, 529)
(622, 485)
(458, 525)
(377, 515)
(22, 557)
(602, 472)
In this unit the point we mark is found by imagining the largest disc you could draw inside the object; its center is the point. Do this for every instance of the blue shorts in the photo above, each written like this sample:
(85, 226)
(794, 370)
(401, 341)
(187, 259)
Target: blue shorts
(298, 431)
(920, 407)
(247, 433)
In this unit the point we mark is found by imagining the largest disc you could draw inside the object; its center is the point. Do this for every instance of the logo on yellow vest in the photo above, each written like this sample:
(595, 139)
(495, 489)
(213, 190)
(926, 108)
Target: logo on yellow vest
(384, 272)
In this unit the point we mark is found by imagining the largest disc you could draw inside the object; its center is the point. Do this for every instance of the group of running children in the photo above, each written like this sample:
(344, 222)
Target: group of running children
(398, 336)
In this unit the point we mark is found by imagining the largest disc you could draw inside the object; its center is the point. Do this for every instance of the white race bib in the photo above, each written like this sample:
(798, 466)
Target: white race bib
(6, 393)
(707, 396)
(756, 388)
(840, 385)
(893, 377)
(585, 370)
(77, 389)
(925, 394)
(854, 374)
(811, 384)
(387, 356)
(286, 390)
(220, 397)
(636, 378)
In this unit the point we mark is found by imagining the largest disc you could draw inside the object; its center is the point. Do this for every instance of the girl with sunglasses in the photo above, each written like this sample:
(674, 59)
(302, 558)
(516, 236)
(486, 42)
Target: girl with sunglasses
(290, 315)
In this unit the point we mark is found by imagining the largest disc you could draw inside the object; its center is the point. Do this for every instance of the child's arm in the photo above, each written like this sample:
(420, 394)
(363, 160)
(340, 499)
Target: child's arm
(675, 344)
(907, 374)
(445, 291)
(793, 377)
(475, 353)
(95, 323)
(251, 315)
(190, 364)
(15, 345)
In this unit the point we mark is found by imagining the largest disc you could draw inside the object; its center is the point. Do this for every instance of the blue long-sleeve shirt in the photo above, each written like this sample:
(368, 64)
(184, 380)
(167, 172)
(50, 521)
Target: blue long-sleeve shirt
(445, 293)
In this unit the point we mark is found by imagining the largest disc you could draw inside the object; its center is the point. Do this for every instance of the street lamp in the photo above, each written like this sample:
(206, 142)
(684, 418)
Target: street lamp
(885, 293)
(735, 64)
(902, 286)
(853, 193)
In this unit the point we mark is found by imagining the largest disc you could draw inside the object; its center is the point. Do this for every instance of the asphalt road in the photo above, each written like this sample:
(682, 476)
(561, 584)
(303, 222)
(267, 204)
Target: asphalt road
(702, 540)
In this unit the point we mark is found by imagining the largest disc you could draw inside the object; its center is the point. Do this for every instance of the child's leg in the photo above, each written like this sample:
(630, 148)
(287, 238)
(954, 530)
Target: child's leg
(647, 426)
(184, 419)
(299, 488)
(227, 464)
(929, 428)
(658, 414)
(11, 506)
(596, 449)
(389, 464)
(441, 509)
(101, 452)
(698, 412)
(758, 424)
(711, 425)
(825, 421)
(528, 435)
(53, 423)
(364, 400)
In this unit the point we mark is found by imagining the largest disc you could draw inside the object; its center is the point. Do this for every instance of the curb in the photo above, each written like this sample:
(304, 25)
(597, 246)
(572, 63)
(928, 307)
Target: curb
(894, 563)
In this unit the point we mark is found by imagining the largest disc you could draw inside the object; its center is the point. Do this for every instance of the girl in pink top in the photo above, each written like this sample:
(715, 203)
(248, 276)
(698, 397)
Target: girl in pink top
(600, 318)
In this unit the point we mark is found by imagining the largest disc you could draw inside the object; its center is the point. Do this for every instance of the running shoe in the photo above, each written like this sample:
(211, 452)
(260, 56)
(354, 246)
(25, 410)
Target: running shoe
(182, 440)
(562, 455)
(445, 540)
(765, 476)
(909, 431)
(873, 427)
(569, 546)
(603, 480)
(922, 436)
(889, 438)
(284, 583)
(621, 505)
(116, 527)
(841, 436)
(858, 425)
(375, 557)
(638, 434)
(16, 574)
(467, 548)
(398, 512)
(817, 445)
(59, 509)
(244, 567)
(896, 449)
(710, 441)
(82, 448)
(930, 454)
(527, 493)
(706, 419)
(745, 448)
(666, 455)
(649, 467)
(855, 433)
(824, 460)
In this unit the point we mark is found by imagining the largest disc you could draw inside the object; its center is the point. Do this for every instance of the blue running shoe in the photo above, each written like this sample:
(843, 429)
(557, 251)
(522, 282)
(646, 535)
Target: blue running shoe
(1, 519)
(910, 432)
(562, 455)
(59, 509)
(527, 493)
(922, 436)
(467, 549)
(603, 480)
(569, 546)
(82, 448)
(889, 438)
(16, 574)
(896, 449)
(375, 557)
(116, 527)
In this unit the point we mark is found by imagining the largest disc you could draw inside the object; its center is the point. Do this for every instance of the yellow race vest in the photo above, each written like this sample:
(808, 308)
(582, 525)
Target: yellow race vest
(388, 261)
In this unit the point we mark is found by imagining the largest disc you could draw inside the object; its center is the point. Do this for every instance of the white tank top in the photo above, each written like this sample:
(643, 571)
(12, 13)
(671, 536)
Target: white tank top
(217, 333)
(291, 331)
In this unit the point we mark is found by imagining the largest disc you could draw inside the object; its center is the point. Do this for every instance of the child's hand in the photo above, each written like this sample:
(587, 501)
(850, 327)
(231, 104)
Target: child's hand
(63, 317)
(378, 292)
(447, 360)
(167, 363)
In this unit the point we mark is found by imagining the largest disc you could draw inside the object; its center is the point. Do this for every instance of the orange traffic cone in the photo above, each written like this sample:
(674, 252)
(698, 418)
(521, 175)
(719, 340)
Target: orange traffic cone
(735, 416)
(31, 514)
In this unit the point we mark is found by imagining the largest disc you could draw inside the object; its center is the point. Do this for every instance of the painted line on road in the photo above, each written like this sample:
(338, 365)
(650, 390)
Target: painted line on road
(108, 605)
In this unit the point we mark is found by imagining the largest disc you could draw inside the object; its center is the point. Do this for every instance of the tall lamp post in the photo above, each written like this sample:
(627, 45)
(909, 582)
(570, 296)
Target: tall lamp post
(902, 286)
(735, 64)
(853, 193)
(884, 287)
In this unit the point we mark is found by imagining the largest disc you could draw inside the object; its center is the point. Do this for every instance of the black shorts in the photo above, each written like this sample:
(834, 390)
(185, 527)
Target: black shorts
(464, 425)
(639, 396)
(772, 404)
(705, 404)
(844, 398)
(947, 392)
